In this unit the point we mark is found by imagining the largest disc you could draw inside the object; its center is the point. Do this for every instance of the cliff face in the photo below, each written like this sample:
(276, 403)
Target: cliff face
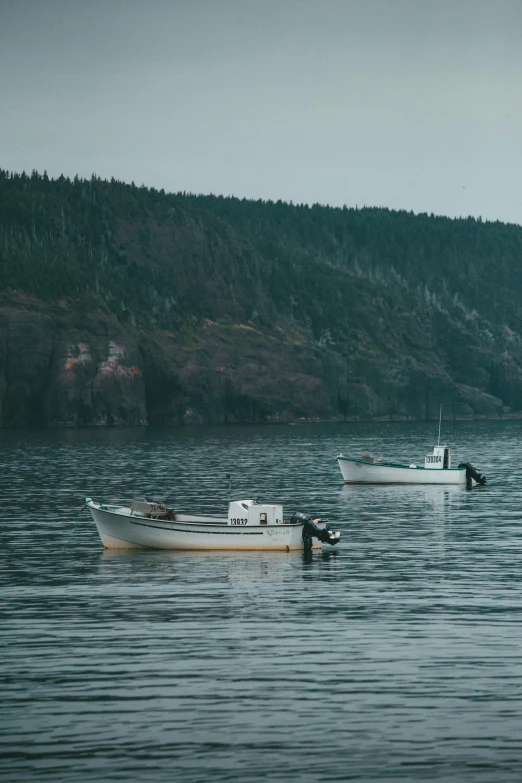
(62, 366)
(124, 307)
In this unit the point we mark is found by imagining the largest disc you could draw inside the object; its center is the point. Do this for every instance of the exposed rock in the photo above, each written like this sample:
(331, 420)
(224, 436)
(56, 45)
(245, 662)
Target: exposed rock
(60, 367)
(64, 367)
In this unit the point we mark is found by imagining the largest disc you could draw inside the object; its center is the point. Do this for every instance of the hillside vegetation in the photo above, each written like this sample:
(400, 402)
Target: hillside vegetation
(145, 306)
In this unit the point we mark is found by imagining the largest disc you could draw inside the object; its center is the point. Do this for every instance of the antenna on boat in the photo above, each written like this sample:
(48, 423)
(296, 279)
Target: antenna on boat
(229, 486)
(440, 420)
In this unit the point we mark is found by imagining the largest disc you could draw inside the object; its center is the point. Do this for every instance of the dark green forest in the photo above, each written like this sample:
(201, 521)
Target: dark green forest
(365, 289)
(66, 238)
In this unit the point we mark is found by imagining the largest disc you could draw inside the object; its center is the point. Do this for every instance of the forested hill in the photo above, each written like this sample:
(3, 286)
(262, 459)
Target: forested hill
(123, 304)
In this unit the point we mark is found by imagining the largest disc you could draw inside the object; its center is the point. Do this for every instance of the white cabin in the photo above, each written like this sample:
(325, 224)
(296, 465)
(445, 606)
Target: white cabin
(249, 512)
(440, 459)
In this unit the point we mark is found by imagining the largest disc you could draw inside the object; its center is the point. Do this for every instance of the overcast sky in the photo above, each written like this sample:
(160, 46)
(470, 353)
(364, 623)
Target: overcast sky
(408, 104)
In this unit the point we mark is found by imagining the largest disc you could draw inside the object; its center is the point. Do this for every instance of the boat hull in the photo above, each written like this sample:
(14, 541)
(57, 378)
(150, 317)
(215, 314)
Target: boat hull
(356, 471)
(119, 530)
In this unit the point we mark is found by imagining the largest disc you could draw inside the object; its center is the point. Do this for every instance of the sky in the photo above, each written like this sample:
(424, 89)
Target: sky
(406, 104)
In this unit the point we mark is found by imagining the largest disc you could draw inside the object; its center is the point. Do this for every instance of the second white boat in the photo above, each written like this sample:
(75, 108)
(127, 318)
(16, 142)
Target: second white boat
(437, 469)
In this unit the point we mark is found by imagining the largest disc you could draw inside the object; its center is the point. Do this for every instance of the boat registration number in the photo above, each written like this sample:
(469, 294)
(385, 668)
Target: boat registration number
(434, 459)
(237, 521)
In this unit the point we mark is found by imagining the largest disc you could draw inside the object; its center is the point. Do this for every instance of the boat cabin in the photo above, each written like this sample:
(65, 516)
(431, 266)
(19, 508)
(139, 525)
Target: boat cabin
(440, 459)
(249, 512)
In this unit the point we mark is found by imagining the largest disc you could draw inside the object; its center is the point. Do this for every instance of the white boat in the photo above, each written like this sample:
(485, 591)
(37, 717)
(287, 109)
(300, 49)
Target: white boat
(249, 525)
(370, 469)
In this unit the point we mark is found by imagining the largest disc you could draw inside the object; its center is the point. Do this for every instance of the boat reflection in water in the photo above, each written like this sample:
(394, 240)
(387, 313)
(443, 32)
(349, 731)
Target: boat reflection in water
(405, 508)
(169, 584)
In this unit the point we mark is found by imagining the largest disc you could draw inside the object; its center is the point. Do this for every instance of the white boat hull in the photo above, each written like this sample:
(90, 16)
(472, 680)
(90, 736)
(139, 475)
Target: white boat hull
(119, 530)
(357, 471)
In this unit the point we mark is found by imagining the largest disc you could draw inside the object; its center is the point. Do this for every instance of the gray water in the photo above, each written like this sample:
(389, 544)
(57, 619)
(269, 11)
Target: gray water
(395, 656)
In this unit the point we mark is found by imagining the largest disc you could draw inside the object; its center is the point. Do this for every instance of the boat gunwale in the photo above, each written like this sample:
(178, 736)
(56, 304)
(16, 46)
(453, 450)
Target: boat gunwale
(226, 530)
(384, 464)
(167, 524)
(145, 522)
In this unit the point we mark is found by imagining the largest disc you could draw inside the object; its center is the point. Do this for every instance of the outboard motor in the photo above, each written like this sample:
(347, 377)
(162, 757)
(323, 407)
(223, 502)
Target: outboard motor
(471, 473)
(315, 528)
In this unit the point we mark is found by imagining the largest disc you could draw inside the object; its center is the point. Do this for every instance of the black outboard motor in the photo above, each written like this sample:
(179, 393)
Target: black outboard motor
(471, 473)
(315, 528)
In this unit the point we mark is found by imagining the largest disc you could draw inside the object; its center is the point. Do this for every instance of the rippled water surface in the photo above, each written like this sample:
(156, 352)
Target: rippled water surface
(395, 656)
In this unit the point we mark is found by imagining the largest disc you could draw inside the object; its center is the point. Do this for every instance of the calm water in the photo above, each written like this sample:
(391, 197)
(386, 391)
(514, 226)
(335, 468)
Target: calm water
(395, 656)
